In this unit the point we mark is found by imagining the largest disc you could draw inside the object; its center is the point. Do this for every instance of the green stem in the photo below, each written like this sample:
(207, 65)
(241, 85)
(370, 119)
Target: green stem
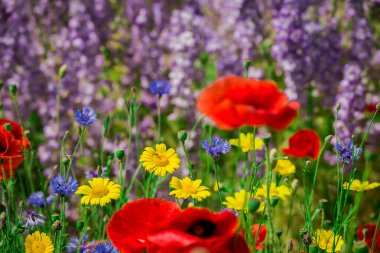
(158, 119)
(189, 164)
(217, 183)
(82, 133)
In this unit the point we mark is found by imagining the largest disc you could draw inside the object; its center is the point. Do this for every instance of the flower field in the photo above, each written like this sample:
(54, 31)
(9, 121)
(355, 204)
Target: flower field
(189, 126)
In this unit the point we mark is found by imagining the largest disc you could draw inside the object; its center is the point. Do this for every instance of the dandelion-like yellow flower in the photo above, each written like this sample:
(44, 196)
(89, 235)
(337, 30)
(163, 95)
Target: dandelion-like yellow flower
(38, 243)
(245, 142)
(160, 161)
(100, 192)
(185, 188)
(358, 186)
(239, 201)
(281, 191)
(285, 167)
(325, 240)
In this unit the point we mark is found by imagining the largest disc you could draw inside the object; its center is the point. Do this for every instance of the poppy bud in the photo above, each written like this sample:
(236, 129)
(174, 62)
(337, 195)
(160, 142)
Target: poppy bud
(378, 106)
(62, 71)
(266, 139)
(247, 63)
(182, 136)
(279, 234)
(274, 201)
(13, 89)
(56, 226)
(365, 231)
(289, 246)
(337, 107)
(328, 138)
(253, 205)
(120, 154)
(307, 240)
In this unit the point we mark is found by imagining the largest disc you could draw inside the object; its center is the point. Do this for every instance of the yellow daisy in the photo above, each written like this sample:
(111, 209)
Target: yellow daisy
(281, 191)
(285, 167)
(245, 142)
(358, 186)
(101, 192)
(238, 202)
(160, 161)
(325, 238)
(38, 243)
(185, 188)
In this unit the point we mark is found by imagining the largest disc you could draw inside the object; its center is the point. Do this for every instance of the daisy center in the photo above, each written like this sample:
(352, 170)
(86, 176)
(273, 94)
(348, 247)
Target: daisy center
(189, 189)
(38, 247)
(160, 160)
(99, 191)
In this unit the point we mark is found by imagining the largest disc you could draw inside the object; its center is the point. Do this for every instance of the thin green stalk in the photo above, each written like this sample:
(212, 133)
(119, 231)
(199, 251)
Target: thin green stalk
(150, 178)
(132, 181)
(158, 119)
(217, 183)
(376, 230)
(81, 136)
(189, 164)
(62, 221)
(269, 182)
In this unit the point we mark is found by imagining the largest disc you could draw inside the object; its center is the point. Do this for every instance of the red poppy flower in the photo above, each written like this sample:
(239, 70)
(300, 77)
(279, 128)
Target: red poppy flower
(369, 236)
(372, 107)
(261, 236)
(12, 144)
(232, 102)
(128, 228)
(199, 228)
(304, 143)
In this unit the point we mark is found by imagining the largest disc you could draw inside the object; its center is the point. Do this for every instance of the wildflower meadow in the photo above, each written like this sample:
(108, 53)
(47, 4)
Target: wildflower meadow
(189, 126)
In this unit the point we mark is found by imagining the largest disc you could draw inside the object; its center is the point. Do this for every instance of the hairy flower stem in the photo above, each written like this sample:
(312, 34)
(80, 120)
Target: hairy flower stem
(62, 220)
(268, 204)
(81, 136)
(217, 183)
(189, 164)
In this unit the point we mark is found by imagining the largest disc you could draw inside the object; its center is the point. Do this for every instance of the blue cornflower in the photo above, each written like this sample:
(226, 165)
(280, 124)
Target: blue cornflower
(85, 247)
(105, 247)
(86, 117)
(33, 219)
(216, 147)
(94, 173)
(59, 185)
(159, 87)
(37, 199)
(349, 154)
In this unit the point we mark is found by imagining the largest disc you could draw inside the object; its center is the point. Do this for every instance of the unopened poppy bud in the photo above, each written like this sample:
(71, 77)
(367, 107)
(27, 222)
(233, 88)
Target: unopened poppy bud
(120, 154)
(66, 160)
(79, 225)
(322, 203)
(253, 205)
(360, 247)
(182, 135)
(337, 107)
(378, 106)
(289, 246)
(266, 139)
(272, 153)
(57, 226)
(307, 240)
(62, 71)
(247, 63)
(328, 138)
(307, 163)
(279, 234)
(274, 201)
(13, 89)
